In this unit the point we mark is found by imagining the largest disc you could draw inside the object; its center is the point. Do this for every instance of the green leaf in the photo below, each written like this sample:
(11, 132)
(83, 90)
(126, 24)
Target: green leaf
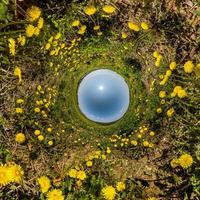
(6, 2)
(3, 10)
(197, 12)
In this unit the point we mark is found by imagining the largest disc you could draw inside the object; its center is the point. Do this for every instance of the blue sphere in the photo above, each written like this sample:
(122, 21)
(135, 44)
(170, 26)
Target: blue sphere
(103, 96)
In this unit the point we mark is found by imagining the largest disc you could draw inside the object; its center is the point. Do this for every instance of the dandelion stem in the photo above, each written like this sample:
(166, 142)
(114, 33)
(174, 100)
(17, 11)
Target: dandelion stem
(12, 23)
(11, 32)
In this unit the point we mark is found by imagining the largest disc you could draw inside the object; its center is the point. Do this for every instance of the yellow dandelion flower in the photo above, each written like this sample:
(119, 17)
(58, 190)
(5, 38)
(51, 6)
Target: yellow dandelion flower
(62, 45)
(15, 173)
(124, 35)
(47, 105)
(133, 26)
(152, 198)
(168, 73)
(159, 110)
(145, 143)
(159, 57)
(97, 27)
(55, 43)
(30, 29)
(75, 23)
(185, 160)
(18, 73)
(37, 132)
(55, 194)
(108, 192)
(57, 36)
(100, 33)
(21, 40)
(49, 130)
(174, 163)
(141, 130)
(37, 110)
(188, 67)
(162, 94)
(151, 145)
(33, 13)
(50, 39)
(90, 10)
(108, 151)
(47, 46)
(20, 138)
(40, 137)
(50, 143)
(144, 26)
(19, 110)
(89, 163)
(120, 186)
(4, 178)
(152, 133)
(11, 45)
(134, 142)
(36, 31)
(161, 76)
(162, 101)
(177, 89)
(40, 23)
(109, 9)
(81, 175)
(156, 54)
(103, 156)
(72, 173)
(170, 112)
(20, 101)
(157, 63)
(82, 30)
(39, 87)
(164, 81)
(44, 183)
(182, 93)
(172, 65)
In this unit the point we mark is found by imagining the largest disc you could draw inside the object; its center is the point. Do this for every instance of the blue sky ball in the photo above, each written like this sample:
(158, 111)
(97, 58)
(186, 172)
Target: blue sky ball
(103, 96)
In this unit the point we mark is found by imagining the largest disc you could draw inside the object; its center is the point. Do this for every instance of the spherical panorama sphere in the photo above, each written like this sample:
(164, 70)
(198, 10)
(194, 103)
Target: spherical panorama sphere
(103, 96)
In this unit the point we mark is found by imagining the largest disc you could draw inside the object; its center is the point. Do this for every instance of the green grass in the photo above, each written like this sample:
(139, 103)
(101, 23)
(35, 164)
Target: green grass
(66, 106)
